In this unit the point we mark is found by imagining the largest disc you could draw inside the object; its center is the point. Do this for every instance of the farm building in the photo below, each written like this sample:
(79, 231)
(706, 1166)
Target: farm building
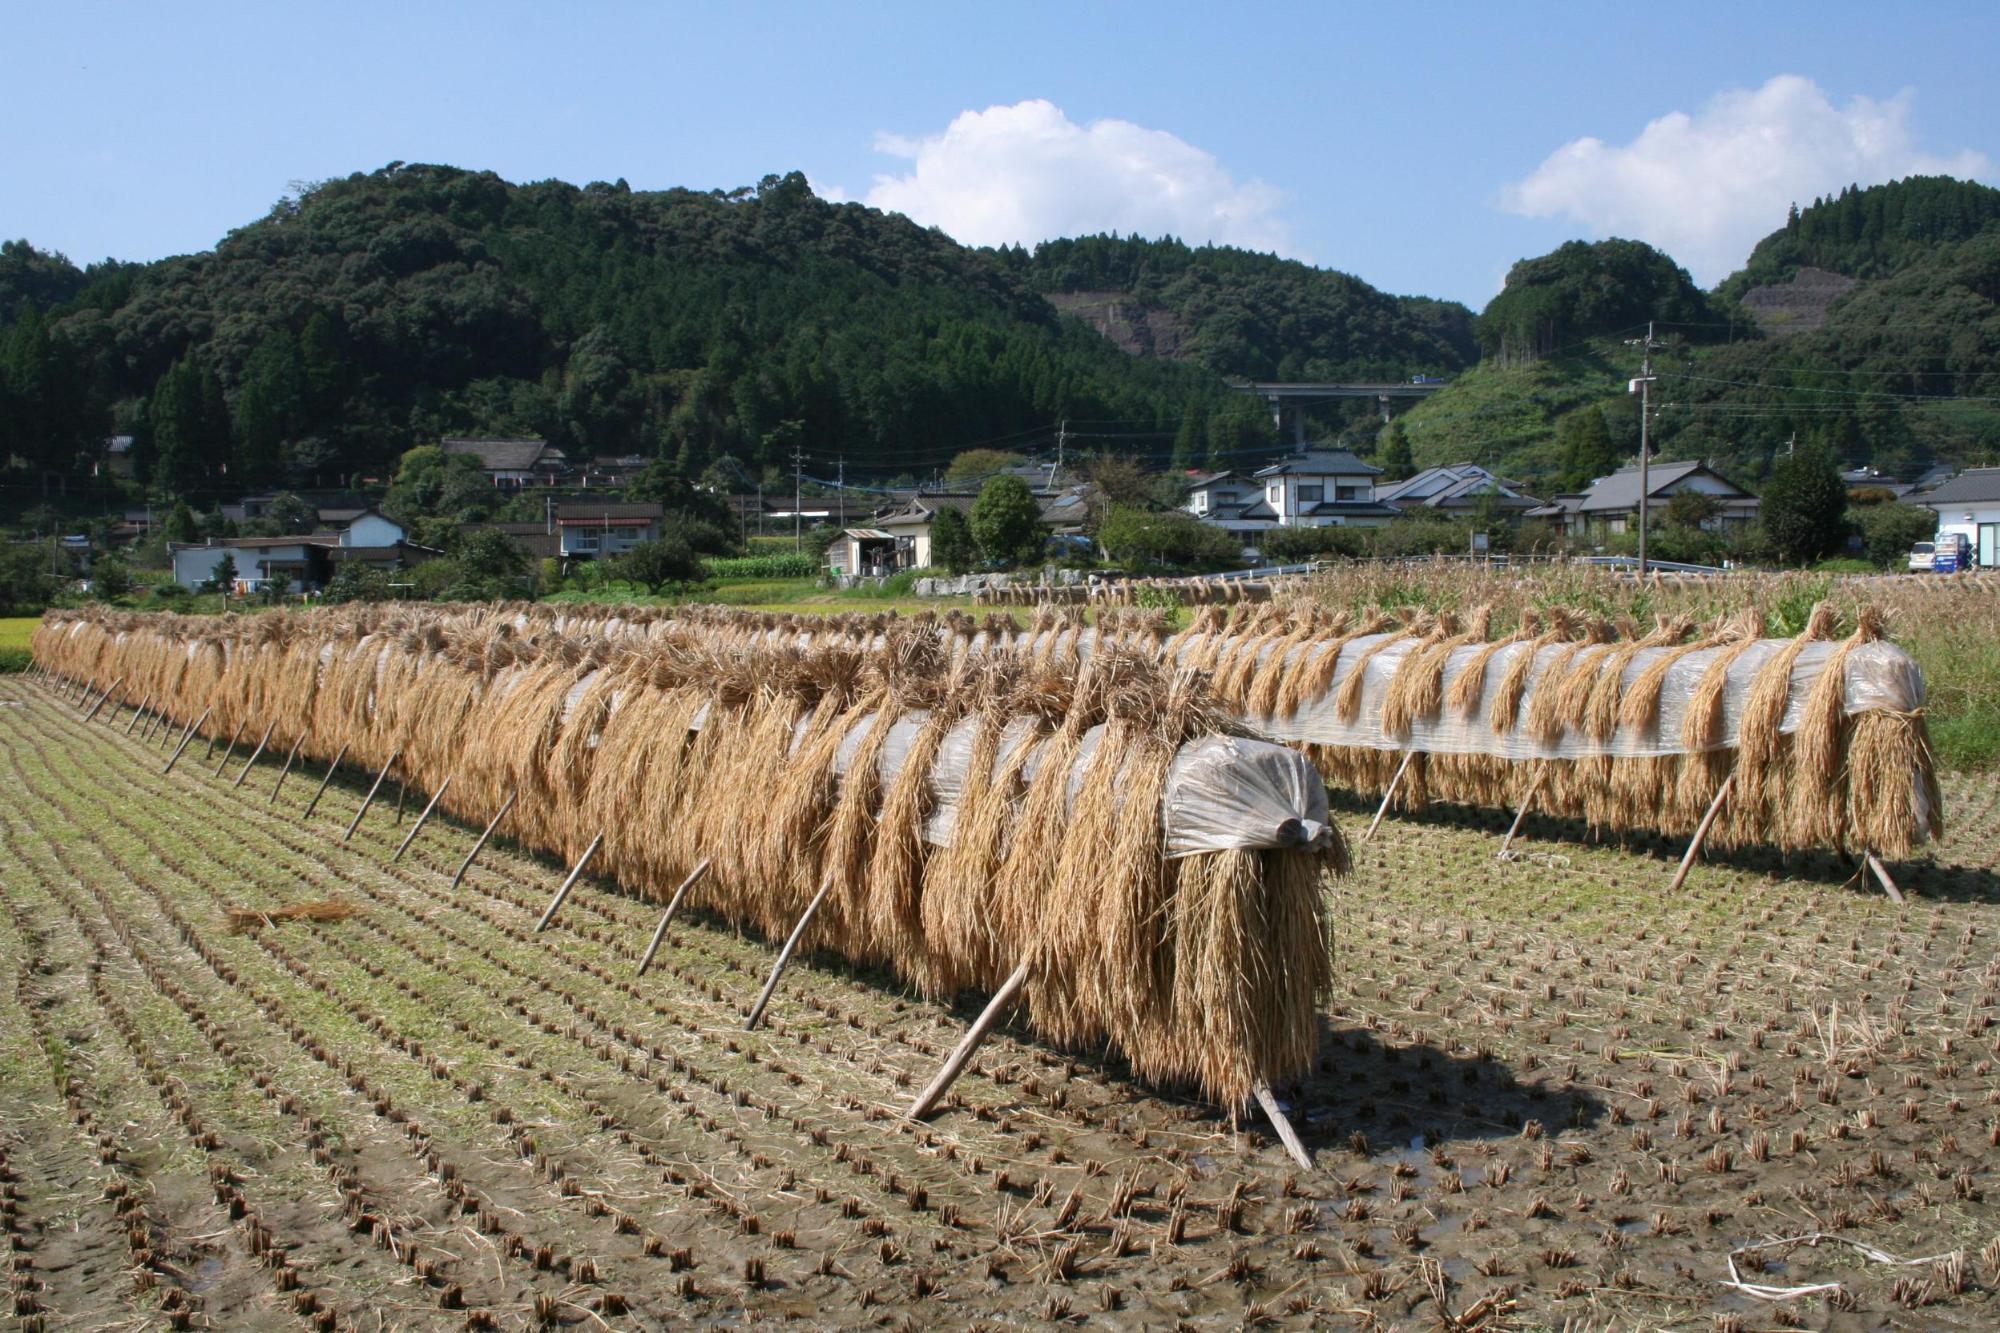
(512, 464)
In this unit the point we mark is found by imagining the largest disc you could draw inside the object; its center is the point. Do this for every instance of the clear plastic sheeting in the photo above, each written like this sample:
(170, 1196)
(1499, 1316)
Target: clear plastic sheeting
(1226, 791)
(1878, 675)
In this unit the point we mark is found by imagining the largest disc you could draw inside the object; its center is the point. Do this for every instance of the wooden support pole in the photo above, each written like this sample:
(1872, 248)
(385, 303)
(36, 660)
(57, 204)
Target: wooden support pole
(673, 905)
(146, 732)
(1882, 873)
(331, 768)
(1701, 834)
(785, 954)
(278, 786)
(1286, 1134)
(84, 698)
(955, 1063)
(369, 799)
(251, 762)
(105, 700)
(1390, 794)
(418, 827)
(235, 734)
(570, 883)
(1522, 813)
(470, 856)
(144, 704)
(186, 736)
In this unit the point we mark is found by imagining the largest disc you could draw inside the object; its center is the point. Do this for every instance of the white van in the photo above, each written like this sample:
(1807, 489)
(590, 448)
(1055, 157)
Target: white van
(1921, 556)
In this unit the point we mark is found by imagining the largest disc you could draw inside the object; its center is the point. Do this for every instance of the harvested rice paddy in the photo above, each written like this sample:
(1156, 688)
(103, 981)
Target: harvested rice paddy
(1548, 1095)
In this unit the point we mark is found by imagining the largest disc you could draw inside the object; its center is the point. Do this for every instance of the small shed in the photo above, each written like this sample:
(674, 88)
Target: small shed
(859, 552)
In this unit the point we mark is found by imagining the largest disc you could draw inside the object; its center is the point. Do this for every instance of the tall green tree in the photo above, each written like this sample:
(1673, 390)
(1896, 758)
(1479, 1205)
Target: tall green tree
(952, 544)
(270, 407)
(1007, 523)
(1583, 441)
(1392, 453)
(1804, 506)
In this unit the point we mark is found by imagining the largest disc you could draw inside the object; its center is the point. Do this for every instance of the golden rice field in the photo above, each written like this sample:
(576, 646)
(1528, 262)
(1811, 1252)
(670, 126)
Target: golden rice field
(1548, 1095)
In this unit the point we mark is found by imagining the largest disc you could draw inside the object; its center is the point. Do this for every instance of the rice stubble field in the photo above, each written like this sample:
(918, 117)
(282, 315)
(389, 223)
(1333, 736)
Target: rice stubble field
(1548, 1095)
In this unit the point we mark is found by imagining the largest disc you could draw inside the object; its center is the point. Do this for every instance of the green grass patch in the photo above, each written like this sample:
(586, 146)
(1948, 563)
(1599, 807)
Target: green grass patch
(14, 635)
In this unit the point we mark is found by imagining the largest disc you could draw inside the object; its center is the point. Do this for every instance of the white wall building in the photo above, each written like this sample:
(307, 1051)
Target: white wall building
(1970, 503)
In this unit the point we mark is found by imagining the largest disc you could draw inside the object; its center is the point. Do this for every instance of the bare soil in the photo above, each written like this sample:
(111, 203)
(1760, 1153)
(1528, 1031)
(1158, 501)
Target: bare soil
(1549, 1096)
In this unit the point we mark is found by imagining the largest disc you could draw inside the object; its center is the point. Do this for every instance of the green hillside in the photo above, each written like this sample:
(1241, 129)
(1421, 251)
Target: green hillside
(1870, 233)
(1895, 378)
(384, 309)
(1258, 316)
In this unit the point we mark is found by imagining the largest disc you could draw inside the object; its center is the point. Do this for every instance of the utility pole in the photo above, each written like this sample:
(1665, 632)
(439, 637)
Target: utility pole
(840, 487)
(1644, 384)
(798, 496)
(1062, 439)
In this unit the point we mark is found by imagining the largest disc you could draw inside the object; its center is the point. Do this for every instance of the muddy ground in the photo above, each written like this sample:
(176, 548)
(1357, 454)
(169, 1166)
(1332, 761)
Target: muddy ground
(1549, 1095)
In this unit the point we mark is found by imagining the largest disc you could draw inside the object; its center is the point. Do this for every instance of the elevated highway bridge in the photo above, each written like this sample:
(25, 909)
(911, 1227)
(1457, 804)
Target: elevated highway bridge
(1297, 393)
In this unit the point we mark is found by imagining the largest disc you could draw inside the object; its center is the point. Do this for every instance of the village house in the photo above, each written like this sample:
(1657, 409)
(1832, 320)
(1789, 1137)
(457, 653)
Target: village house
(602, 531)
(1970, 503)
(1611, 504)
(1318, 488)
(512, 464)
(896, 539)
(1459, 490)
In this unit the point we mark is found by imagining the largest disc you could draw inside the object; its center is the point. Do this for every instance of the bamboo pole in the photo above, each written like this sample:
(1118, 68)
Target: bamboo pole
(106, 699)
(186, 736)
(1701, 833)
(227, 754)
(418, 827)
(1286, 1134)
(1882, 873)
(1390, 794)
(955, 1063)
(369, 799)
(466, 864)
(251, 762)
(785, 954)
(673, 905)
(143, 705)
(84, 698)
(331, 768)
(279, 785)
(1522, 813)
(570, 883)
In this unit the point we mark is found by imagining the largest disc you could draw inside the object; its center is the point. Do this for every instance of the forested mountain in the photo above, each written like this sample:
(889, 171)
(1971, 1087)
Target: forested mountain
(1870, 233)
(1258, 316)
(1905, 370)
(386, 309)
(1583, 290)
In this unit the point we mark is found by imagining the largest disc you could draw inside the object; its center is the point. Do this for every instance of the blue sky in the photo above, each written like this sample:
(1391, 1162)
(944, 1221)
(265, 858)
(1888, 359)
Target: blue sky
(1424, 149)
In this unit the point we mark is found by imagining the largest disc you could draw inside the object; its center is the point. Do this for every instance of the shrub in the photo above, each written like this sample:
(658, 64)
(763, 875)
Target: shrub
(1141, 539)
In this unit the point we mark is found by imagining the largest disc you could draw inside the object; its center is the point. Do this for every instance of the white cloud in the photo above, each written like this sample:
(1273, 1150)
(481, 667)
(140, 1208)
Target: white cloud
(1027, 172)
(1706, 187)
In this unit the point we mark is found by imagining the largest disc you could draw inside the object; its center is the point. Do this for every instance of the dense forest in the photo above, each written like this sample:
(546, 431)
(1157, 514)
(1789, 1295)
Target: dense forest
(372, 313)
(1584, 290)
(1259, 316)
(1871, 233)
